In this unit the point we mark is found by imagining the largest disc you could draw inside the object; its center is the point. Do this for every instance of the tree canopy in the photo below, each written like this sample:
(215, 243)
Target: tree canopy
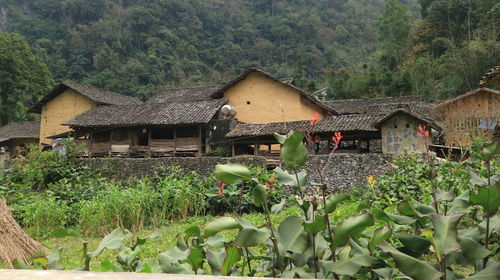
(24, 77)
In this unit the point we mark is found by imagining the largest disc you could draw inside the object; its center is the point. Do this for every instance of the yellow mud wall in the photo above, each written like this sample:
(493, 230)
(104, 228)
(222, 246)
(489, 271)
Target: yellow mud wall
(259, 99)
(64, 107)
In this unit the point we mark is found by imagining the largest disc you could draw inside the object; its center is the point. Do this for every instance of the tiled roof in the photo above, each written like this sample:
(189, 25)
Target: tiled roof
(470, 93)
(426, 121)
(99, 96)
(193, 112)
(365, 106)
(421, 108)
(18, 130)
(184, 94)
(349, 123)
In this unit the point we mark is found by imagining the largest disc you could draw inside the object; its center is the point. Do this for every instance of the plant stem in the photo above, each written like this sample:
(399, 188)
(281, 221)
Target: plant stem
(487, 237)
(248, 260)
(315, 260)
(273, 236)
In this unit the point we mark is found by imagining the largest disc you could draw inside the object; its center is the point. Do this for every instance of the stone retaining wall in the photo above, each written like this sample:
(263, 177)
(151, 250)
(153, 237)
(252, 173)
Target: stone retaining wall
(344, 171)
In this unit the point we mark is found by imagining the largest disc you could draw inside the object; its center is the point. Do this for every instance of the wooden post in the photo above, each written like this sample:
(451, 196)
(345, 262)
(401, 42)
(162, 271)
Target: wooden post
(175, 140)
(256, 149)
(368, 145)
(149, 142)
(233, 149)
(199, 141)
(110, 142)
(91, 138)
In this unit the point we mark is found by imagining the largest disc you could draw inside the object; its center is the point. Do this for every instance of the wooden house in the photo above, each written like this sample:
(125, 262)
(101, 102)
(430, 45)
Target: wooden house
(474, 114)
(16, 136)
(68, 100)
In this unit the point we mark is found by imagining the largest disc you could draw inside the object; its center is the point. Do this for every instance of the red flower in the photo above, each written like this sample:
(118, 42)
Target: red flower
(221, 185)
(337, 136)
(219, 192)
(272, 179)
(315, 119)
(422, 131)
(239, 200)
(271, 186)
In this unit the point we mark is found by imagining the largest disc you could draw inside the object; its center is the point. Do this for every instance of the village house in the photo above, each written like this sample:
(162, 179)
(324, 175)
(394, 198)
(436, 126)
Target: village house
(68, 100)
(241, 115)
(474, 114)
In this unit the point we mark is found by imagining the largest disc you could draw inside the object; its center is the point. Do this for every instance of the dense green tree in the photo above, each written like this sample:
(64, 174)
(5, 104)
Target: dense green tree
(24, 77)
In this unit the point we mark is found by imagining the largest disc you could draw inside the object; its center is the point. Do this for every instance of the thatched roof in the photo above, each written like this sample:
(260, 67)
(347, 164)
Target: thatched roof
(174, 113)
(184, 94)
(251, 70)
(369, 105)
(352, 123)
(18, 130)
(470, 93)
(411, 114)
(99, 96)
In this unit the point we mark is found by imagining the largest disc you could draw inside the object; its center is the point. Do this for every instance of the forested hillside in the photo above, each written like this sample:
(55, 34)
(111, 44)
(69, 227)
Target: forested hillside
(359, 48)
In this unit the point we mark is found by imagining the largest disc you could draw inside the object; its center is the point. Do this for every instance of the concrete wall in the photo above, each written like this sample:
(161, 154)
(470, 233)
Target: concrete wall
(399, 134)
(270, 101)
(345, 170)
(64, 107)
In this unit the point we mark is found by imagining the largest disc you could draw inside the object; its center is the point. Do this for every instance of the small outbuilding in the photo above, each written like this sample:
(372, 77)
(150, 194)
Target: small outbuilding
(399, 131)
(16, 136)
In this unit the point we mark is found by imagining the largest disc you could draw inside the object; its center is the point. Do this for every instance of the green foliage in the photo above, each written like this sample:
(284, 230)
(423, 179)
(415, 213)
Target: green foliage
(22, 72)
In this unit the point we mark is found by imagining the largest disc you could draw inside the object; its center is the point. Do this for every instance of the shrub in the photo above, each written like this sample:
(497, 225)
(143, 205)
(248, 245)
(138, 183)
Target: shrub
(43, 214)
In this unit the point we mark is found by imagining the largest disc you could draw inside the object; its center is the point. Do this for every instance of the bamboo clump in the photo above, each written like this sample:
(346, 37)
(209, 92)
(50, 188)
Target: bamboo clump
(15, 244)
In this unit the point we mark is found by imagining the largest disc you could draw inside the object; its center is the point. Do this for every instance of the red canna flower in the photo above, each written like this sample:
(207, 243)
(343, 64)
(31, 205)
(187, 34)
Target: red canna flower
(239, 201)
(272, 179)
(221, 185)
(219, 192)
(422, 131)
(337, 136)
(270, 186)
(315, 119)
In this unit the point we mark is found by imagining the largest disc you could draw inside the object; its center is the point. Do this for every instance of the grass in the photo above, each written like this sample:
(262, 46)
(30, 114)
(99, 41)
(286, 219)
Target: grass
(71, 240)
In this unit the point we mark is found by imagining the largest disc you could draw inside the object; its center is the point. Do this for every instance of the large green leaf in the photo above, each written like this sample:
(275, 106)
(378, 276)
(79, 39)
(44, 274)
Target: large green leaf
(410, 266)
(54, 258)
(291, 236)
(112, 241)
(250, 236)
(170, 261)
(287, 179)
(232, 173)
(349, 227)
(259, 195)
(442, 195)
(142, 240)
(384, 273)
(294, 152)
(400, 220)
(445, 233)
(460, 204)
(379, 235)
(415, 208)
(216, 259)
(490, 272)
(472, 250)
(490, 150)
(414, 245)
(233, 256)
(313, 227)
(195, 258)
(333, 200)
(488, 198)
(349, 266)
(220, 224)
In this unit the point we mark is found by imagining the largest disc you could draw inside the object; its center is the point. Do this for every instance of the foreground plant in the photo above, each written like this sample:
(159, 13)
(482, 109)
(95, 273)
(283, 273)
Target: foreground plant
(413, 241)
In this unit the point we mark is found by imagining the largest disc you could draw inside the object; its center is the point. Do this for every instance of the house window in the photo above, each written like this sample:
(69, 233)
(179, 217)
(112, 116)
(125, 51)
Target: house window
(187, 132)
(248, 102)
(407, 125)
(395, 125)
